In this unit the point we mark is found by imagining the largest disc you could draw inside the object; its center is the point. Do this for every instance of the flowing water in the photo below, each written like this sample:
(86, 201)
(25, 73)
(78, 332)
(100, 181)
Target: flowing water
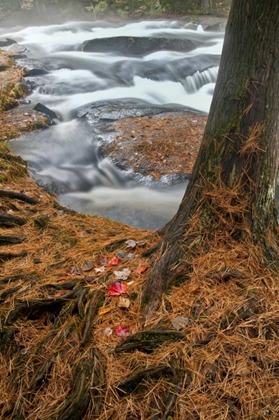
(66, 157)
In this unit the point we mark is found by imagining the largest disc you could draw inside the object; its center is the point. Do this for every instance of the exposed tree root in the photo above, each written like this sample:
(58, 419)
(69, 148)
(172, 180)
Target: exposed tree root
(7, 240)
(134, 381)
(8, 292)
(221, 217)
(8, 220)
(11, 158)
(4, 256)
(148, 340)
(24, 277)
(18, 196)
(88, 384)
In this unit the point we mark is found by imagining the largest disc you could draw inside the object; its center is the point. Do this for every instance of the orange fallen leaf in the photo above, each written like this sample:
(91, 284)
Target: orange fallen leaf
(62, 278)
(142, 268)
(114, 261)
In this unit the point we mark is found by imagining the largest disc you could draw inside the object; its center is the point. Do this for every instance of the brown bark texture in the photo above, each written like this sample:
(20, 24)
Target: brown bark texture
(232, 188)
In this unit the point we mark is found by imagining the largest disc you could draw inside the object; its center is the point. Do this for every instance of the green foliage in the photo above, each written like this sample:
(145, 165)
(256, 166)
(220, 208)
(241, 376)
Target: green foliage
(196, 6)
(138, 8)
(10, 94)
(123, 13)
(99, 6)
(26, 4)
(7, 6)
(122, 8)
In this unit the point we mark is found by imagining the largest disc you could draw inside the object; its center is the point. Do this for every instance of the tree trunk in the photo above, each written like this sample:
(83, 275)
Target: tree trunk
(206, 5)
(39, 7)
(231, 194)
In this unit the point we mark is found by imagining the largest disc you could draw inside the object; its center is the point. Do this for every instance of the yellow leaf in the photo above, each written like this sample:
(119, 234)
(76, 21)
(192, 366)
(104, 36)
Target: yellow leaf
(105, 310)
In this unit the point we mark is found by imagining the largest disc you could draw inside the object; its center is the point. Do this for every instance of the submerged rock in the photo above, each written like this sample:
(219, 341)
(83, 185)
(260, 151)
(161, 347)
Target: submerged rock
(137, 45)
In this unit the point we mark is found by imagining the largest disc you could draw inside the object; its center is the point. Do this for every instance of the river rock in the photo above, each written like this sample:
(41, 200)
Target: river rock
(137, 45)
(32, 67)
(6, 42)
(109, 111)
(34, 72)
(212, 23)
(45, 110)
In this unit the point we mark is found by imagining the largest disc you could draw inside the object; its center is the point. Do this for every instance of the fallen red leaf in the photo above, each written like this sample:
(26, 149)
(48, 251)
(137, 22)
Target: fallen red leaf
(121, 331)
(114, 261)
(117, 288)
(142, 268)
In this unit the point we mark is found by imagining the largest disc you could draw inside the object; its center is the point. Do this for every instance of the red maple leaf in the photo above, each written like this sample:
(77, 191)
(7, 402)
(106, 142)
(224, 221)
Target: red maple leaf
(117, 289)
(121, 331)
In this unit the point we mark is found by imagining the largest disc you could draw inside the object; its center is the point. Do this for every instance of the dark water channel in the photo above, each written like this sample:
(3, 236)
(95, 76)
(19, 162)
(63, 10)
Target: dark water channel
(66, 157)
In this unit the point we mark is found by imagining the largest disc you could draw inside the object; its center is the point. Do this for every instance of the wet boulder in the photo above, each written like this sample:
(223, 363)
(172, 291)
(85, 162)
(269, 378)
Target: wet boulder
(130, 45)
(45, 110)
(213, 24)
(6, 42)
(32, 67)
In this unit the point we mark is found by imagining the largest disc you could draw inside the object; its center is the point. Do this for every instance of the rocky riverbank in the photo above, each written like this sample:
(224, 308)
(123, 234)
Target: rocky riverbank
(137, 139)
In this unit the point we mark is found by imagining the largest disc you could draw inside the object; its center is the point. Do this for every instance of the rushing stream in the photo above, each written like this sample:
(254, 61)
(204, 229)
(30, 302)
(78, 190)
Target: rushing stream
(66, 157)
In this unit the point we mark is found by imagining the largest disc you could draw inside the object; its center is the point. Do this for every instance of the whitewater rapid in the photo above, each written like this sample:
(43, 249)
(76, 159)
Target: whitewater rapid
(66, 157)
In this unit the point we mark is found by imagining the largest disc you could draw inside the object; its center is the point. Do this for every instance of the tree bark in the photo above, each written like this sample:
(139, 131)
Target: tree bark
(232, 190)
(206, 5)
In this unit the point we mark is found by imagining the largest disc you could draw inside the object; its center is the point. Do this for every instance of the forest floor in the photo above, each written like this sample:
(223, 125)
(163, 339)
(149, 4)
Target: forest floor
(73, 342)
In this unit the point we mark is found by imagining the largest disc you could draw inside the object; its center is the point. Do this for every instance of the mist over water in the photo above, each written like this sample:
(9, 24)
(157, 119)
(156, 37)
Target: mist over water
(67, 157)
